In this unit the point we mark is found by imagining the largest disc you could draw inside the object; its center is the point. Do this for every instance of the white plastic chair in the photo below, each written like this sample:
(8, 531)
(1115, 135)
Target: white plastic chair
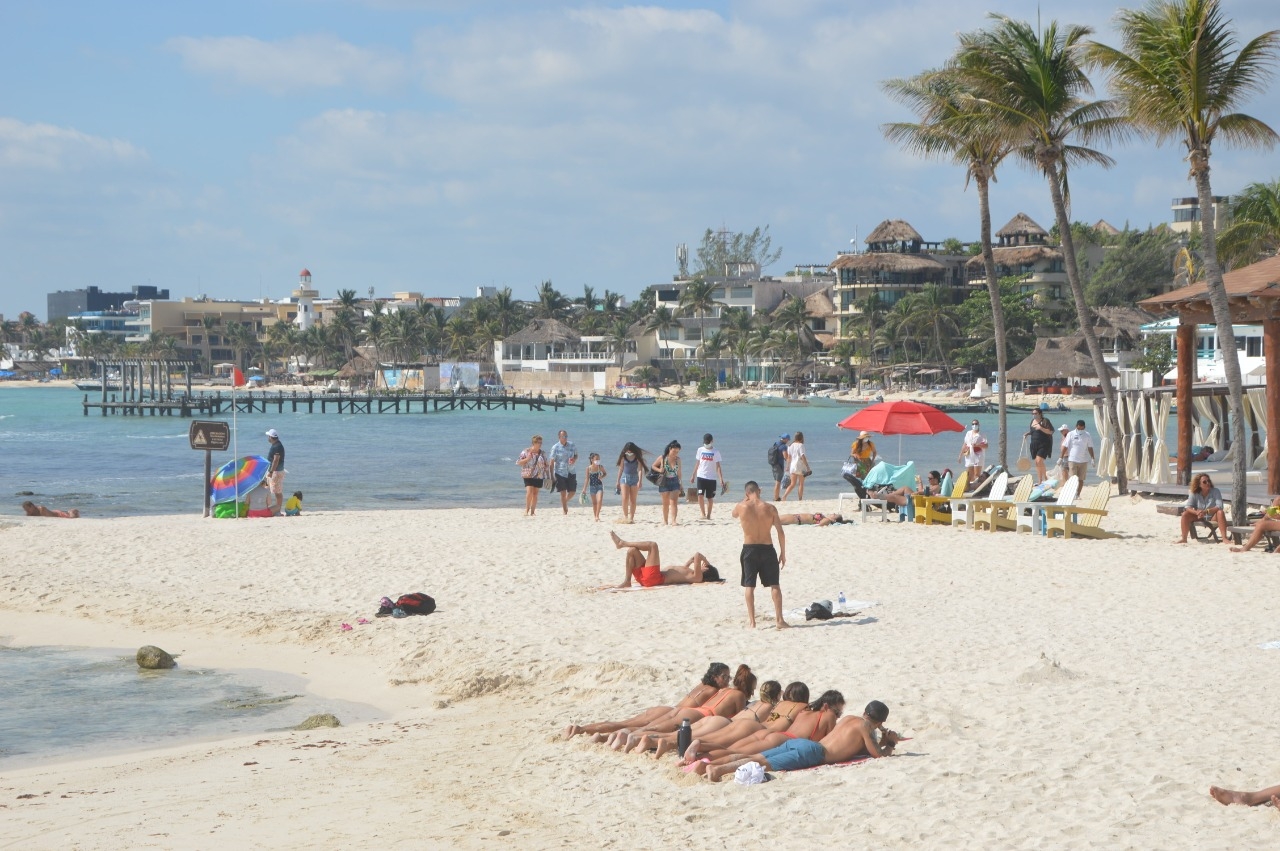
(962, 509)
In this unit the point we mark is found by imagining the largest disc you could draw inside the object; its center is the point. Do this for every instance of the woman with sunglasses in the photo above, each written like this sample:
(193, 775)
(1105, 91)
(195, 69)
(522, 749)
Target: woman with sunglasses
(1204, 503)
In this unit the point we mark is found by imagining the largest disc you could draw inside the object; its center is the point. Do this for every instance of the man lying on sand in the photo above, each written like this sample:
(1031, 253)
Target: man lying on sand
(645, 565)
(852, 737)
(812, 722)
(1270, 796)
(815, 519)
(34, 510)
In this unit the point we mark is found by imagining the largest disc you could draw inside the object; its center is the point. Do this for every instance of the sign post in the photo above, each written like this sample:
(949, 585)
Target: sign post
(211, 436)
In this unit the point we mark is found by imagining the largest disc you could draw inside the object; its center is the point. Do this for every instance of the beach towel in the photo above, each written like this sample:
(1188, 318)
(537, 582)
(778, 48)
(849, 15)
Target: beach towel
(1270, 645)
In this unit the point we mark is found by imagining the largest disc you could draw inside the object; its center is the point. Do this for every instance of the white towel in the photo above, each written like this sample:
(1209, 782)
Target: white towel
(1270, 645)
(749, 774)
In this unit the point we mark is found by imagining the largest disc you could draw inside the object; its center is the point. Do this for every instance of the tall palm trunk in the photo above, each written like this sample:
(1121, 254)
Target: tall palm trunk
(982, 178)
(1053, 170)
(1226, 336)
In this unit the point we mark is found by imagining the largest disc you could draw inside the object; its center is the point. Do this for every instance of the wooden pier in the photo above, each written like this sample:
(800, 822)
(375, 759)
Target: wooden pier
(205, 404)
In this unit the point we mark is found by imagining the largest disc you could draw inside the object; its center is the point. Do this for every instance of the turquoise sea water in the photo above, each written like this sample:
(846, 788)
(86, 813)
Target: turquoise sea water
(62, 703)
(111, 466)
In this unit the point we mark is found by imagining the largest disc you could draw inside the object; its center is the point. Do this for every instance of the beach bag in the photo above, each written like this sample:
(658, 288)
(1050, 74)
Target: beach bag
(775, 455)
(1024, 462)
(819, 611)
(653, 476)
(416, 604)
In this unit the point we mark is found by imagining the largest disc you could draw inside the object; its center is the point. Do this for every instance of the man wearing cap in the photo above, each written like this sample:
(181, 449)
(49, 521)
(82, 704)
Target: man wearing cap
(778, 463)
(1077, 452)
(275, 470)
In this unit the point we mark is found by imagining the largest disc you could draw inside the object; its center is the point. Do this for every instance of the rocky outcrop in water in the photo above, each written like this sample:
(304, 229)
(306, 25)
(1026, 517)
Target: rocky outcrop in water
(153, 658)
(322, 720)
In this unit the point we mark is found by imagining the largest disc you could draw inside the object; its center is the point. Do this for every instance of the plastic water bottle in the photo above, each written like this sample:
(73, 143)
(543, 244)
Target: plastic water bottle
(684, 737)
(840, 601)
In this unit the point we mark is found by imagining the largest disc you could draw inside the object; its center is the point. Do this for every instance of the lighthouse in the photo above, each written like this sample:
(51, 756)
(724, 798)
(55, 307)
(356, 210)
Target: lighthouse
(305, 298)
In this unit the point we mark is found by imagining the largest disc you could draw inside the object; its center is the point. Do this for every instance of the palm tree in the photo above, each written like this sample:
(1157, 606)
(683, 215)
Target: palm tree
(241, 339)
(209, 322)
(737, 323)
(507, 313)
(551, 302)
(1180, 77)
(1038, 92)
(1254, 232)
(661, 321)
(696, 299)
(956, 126)
(792, 318)
(931, 310)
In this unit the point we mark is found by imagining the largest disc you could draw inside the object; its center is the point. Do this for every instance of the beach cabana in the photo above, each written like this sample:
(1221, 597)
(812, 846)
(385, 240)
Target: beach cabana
(1253, 296)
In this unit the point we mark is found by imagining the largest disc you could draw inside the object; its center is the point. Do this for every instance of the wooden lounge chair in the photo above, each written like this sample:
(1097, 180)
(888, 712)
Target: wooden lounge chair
(962, 509)
(998, 513)
(1080, 520)
(928, 508)
(1027, 514)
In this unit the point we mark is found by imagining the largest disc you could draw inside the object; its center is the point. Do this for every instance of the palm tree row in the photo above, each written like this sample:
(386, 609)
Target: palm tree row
(1016, 89)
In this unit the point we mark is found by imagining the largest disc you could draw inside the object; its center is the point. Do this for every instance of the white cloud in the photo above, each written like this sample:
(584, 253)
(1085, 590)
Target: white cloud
(290, 65)
(48, 147)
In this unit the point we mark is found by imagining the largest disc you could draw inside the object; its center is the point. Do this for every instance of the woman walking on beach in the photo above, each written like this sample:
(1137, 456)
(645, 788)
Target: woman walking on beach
(668, 467)
(799, 466)
(630, 463)
(595, 483)
(1041, 445)
(533, 468)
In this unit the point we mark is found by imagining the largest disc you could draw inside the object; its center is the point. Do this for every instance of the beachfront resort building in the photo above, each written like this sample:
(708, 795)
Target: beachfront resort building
(1023, 250)
(548, 355)
(897, 262)
(65, 304)
(1186, 213)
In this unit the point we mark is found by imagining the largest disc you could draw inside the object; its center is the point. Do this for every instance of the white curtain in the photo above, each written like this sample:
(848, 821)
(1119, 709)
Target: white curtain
(1206, 411)
(1257, 397)
(1133, 458)
(1158, 471)
(1106, 453)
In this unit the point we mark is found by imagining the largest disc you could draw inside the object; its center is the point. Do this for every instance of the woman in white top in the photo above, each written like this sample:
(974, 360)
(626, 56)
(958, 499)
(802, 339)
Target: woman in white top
(798, 466)
(973, 452)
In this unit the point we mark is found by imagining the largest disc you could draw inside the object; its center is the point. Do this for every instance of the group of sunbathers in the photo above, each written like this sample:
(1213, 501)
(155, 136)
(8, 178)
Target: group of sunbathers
(783, 730)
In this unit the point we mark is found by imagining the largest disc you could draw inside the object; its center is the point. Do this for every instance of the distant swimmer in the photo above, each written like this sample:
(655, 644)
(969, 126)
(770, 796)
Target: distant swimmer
(34, 510)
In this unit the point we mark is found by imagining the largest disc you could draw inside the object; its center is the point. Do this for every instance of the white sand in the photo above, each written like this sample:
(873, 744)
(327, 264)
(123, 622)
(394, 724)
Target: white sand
(1063, 694)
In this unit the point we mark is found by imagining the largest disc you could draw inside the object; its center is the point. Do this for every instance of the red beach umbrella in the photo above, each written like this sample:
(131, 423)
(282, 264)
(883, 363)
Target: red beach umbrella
(901, 417)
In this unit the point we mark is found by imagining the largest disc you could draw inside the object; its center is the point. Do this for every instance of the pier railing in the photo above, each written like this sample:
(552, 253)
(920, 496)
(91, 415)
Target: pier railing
(206, 404)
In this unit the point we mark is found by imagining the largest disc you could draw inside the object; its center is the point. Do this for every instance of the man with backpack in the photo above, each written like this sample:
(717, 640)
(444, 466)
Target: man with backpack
(778, 463)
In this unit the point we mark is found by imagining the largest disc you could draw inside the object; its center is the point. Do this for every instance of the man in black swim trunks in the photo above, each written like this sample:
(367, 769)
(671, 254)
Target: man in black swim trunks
(760, 560)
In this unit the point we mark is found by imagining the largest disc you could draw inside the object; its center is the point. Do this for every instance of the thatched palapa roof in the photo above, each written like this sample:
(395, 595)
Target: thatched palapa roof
(1104, 226)
(876, 261)
(1022, 224)
(1120, 322)
(1056, 356)
(358, 367)
(1017, 255)
(544, 331)
(819, 304)
(894, 230)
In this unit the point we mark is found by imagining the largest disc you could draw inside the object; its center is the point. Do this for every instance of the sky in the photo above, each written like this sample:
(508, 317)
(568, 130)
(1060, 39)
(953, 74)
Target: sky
(436, 146)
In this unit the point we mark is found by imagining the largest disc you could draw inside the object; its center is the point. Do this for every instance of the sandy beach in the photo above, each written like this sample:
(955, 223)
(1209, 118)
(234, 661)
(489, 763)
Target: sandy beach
(1063, 694)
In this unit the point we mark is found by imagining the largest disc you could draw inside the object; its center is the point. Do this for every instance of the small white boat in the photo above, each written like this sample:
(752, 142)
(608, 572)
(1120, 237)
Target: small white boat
(819, 396)
(625, 399)
(775, 396)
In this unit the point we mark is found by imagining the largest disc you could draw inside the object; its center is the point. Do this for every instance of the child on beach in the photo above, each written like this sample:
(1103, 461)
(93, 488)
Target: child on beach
(293, 505)
(596, 474)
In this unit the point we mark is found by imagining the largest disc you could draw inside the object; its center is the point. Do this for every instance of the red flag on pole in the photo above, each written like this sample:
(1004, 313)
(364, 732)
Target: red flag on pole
(237, 378)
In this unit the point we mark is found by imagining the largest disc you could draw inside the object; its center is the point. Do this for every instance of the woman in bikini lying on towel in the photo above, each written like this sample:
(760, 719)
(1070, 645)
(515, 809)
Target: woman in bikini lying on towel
(815, 519)
(813, 722)
(726, 703)
(747, 720)
(716, 678)
(794, 699)
(645, 566)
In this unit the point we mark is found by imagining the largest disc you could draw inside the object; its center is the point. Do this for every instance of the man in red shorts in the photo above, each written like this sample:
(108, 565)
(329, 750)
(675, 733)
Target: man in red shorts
(645, 566)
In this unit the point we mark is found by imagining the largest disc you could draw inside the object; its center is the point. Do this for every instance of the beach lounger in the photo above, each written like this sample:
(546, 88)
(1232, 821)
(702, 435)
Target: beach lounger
(1083, 520)
(929, 508)
(962, 509)
(1027, 514)
(998, 513)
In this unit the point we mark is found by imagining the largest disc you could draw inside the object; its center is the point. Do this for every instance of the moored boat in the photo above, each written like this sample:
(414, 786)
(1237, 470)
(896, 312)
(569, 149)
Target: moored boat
(624, 399)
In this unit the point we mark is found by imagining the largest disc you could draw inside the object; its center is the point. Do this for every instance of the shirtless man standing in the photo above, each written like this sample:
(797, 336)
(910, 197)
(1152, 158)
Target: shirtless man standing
(645, 566)
(852, 737)
(759, 558)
